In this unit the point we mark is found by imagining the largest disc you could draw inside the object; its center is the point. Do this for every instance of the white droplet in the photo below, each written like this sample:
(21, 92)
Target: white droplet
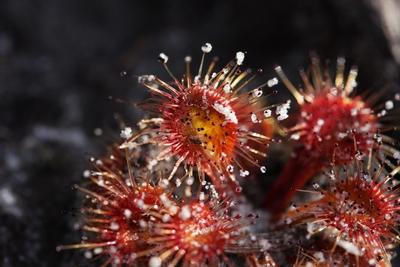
(272, 82)
(282, 110)
(126, 133)
(244, 173)
(382, 113)
(389, 105)
(140, 204)
(8, 197)
(341, 135)
(173, 210)
(263, 169)
(98, 131)
(206, 48)
(163, 58)
(166, 218)
(227, 88)
(257, 93)
(267, 113)
(146, 78)
(88, 254)
(142, 223)
(86, 173)
(155, 261)
(127, 213)
(378, 138)
(254, 118)
(190, 180)
(229, 168)
(114, 226)
(295, 136)
(188, 59)
(185, 213)
(283, 116)
(239, 58)
(341, 60)
(98, 251)
(320, 122)
(201, 196)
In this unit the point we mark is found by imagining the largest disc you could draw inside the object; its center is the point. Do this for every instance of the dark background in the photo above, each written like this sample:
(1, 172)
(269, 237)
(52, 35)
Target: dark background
(61, 60)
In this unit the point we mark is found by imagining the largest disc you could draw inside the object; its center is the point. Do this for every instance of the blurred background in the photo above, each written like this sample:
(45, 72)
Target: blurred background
(61, 60)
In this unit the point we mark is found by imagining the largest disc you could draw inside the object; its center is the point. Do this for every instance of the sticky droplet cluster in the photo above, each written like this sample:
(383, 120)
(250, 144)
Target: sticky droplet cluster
(174, 191)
